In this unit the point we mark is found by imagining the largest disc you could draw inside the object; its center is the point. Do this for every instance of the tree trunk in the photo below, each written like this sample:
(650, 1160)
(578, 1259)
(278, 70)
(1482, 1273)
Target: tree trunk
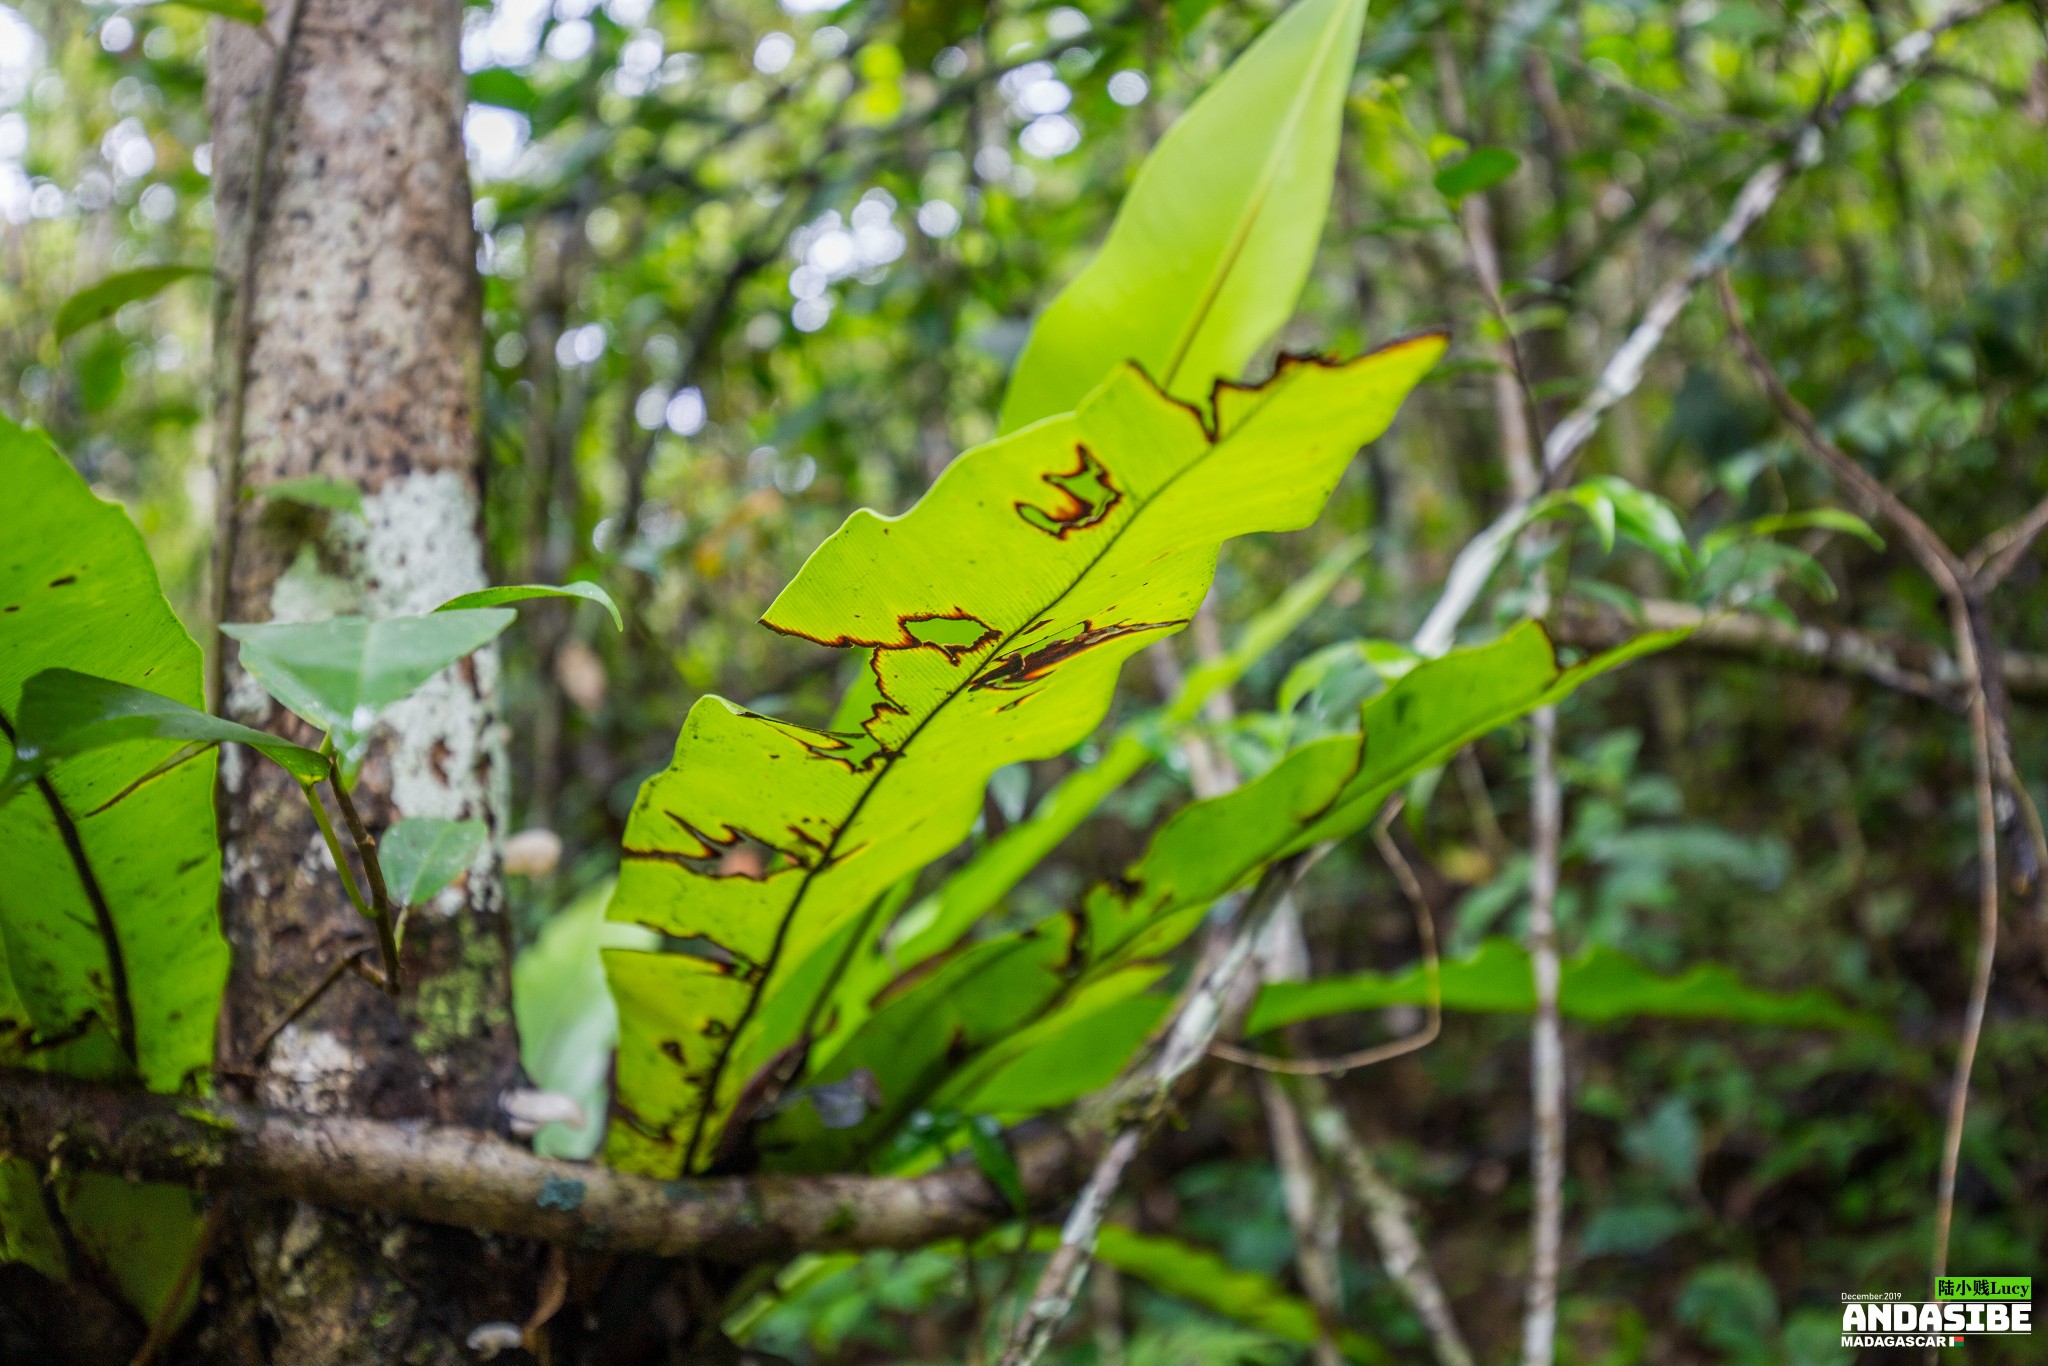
(362, 349)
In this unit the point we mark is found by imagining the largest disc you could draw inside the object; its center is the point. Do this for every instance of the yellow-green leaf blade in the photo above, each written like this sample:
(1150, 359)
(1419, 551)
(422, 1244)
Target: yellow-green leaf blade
(997, 637)
(1600, 985)
(1214, 242)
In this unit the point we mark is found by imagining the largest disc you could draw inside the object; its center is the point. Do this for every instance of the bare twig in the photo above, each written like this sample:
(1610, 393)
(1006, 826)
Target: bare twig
(1936, 559)
(1479, 802)
(381, 912)
(1281, 953)
(554, 1293)
(1067, 1268)
(311, 789)
(1878, 81)
(1392, 1223)
(1607, 80)
(1315, 1220)
(1433, 1019)
(349, 961)
(1393, 1228)
(1513, 407)
(1138, 1101)
(2004, 548)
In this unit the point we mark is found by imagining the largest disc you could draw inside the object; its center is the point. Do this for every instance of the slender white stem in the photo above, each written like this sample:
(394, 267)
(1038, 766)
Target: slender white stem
(1539, 1322)
(1139, 1099)
(1393, 1225)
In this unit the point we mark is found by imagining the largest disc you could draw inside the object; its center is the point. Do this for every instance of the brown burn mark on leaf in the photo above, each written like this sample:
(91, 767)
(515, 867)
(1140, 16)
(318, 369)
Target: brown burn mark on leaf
(1086, 497)
(736, 853)
(620, 1112)
(858, 750)
(1022, 667)
(953, 634)
(1305, 360)
(714, 956)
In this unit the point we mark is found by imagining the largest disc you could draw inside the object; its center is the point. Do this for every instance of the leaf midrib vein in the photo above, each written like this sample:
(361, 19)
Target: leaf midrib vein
(1186, 340)
(103, 915)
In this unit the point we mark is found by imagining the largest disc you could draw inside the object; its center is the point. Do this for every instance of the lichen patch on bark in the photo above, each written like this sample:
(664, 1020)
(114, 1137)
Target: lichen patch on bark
(310, 1071)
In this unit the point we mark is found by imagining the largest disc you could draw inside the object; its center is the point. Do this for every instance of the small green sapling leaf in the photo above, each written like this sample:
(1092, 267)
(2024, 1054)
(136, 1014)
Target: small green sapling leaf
(339, 674)
(105, 298)
(1480, 169)
(1813, 519)
(317, 491)
(423, 854)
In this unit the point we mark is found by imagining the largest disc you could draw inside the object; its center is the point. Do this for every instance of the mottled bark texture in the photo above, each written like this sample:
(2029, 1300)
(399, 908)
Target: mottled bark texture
(362, 348)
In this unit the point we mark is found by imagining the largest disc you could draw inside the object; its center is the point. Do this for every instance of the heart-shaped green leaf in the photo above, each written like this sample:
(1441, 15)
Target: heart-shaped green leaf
(423, 854)
(340, 674)
(1213, 244)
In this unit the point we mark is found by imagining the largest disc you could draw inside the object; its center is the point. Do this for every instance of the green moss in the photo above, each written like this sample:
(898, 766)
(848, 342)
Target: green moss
(460, 1004)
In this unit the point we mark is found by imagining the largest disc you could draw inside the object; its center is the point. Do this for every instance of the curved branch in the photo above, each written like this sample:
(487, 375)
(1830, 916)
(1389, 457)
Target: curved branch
(474, 1180)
